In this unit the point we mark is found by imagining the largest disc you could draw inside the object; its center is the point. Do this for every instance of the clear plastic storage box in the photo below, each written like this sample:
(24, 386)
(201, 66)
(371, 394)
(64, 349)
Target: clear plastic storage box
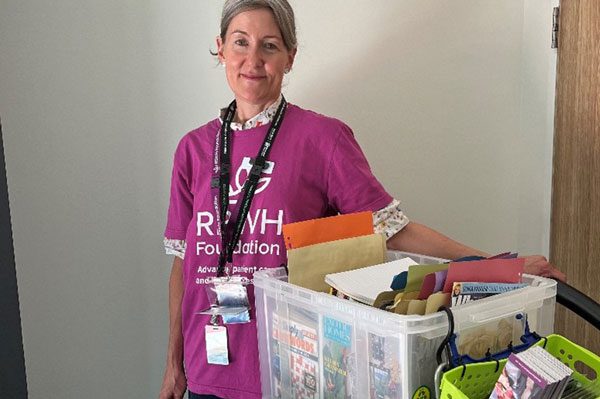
(314, 345)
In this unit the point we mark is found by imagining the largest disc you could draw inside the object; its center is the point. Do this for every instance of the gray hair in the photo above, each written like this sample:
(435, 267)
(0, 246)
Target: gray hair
(281, 9)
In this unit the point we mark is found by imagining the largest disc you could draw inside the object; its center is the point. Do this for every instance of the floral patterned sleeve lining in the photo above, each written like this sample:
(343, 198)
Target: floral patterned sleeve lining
(387, 221)
(174, 247)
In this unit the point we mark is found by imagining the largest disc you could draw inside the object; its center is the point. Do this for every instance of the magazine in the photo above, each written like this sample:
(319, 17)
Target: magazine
(384, 368)
(303, 329)
(532, 374)
(463, 292)
(337, 359)
(518, 380)
(551, 369)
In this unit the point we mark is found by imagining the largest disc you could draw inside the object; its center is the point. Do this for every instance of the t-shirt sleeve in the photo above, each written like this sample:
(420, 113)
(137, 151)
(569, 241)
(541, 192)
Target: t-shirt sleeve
(181, 198)
(351, 185)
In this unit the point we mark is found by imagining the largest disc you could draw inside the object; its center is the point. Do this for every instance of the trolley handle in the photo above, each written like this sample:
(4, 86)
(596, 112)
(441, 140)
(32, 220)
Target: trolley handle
(579, 303)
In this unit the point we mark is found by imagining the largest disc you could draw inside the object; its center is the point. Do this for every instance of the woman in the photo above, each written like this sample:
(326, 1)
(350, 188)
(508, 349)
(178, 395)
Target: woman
(310, 167)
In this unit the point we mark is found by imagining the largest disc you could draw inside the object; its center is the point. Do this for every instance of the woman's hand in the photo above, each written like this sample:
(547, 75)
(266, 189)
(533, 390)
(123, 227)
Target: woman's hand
(174, 383)
(539, 266)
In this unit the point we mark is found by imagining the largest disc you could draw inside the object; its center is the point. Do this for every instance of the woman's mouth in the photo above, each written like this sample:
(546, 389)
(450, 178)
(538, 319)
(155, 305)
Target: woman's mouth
(253, 77)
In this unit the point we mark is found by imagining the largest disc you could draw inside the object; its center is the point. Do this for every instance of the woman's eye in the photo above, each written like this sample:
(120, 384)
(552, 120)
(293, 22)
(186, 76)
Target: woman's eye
(270, 46)
(241, 42)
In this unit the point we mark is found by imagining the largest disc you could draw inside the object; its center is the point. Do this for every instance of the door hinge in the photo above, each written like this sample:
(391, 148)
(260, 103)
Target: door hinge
(555, 13)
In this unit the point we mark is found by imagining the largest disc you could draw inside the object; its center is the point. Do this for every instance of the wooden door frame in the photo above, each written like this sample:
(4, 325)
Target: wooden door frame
(575, 215)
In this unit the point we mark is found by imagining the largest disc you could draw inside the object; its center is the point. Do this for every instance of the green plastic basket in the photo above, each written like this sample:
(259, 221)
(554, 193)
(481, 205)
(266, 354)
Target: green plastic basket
(478, 379)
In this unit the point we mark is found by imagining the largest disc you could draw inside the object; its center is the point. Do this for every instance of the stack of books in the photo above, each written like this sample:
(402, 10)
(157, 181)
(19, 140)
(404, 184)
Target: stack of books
(532, 374)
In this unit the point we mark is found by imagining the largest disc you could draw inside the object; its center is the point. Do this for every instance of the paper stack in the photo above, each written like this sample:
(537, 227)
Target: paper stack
(363, 285)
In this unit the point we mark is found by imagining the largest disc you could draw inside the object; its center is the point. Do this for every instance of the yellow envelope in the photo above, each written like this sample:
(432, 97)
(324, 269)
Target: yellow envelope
(307, 266)
(436, 300)
(385, 297)
(402, 307)
(416, 306)
(406, 296)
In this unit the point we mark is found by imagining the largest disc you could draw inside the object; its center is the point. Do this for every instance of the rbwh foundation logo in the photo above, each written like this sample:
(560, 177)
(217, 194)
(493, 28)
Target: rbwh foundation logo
(242, 174)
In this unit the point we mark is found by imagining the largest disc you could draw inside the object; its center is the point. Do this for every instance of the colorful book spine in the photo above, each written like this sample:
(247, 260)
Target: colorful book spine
(337, 352)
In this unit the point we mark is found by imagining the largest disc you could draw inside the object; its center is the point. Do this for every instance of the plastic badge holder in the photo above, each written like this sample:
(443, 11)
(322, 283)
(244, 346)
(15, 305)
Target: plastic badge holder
(404, 369)
(228, 298)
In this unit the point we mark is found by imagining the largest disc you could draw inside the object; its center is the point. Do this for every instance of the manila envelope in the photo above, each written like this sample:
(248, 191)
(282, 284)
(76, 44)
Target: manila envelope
(437, 300)
(315, 231)
(416, 306)
(406, 296)
(307, 266)
(402, 301)
(385, 298)
(402, 306)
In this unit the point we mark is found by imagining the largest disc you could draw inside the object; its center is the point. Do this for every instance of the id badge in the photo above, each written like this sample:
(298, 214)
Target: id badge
(216, 345)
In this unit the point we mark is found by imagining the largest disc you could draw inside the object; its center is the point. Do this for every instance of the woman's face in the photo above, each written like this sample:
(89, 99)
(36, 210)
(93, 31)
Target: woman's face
(255, 57)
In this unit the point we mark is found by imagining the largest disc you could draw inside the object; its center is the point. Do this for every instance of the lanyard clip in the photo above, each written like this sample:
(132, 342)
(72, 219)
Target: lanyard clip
(258, 165)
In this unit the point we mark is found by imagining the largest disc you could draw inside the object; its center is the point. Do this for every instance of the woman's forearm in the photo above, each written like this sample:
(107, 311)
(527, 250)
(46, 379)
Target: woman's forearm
(418, 238)
(176, 288)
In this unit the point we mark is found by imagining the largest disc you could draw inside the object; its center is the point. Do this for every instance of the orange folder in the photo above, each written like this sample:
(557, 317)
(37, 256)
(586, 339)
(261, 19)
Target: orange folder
(316, 231)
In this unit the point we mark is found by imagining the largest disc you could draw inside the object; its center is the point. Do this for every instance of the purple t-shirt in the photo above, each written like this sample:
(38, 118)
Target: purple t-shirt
(316, 169)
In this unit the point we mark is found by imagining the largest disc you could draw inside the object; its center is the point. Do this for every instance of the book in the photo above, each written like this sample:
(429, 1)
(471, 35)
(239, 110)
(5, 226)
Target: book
(463, 292)
(303, 336)
(532, 374)
(517, 380)
(384, 369)
(275, 353)
(364, 284)
(551, 366)
(338, 358)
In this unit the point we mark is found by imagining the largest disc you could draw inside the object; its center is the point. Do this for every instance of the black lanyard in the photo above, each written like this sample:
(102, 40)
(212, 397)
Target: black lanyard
(229, 237)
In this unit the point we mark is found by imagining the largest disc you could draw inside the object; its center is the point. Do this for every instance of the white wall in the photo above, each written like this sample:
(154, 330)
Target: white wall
(452, 102)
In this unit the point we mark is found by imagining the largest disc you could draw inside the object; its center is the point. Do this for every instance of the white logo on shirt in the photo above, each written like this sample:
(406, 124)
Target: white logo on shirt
(242, 174)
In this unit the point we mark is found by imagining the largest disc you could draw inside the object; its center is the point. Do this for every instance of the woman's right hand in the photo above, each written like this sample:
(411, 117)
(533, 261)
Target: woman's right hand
(174, 383)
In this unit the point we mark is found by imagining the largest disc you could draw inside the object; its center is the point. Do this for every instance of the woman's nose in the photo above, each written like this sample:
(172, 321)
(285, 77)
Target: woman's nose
(255, 56)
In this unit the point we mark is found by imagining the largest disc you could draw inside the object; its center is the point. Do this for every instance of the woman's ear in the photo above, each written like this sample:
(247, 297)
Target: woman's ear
(220, 49)
(291, 58)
